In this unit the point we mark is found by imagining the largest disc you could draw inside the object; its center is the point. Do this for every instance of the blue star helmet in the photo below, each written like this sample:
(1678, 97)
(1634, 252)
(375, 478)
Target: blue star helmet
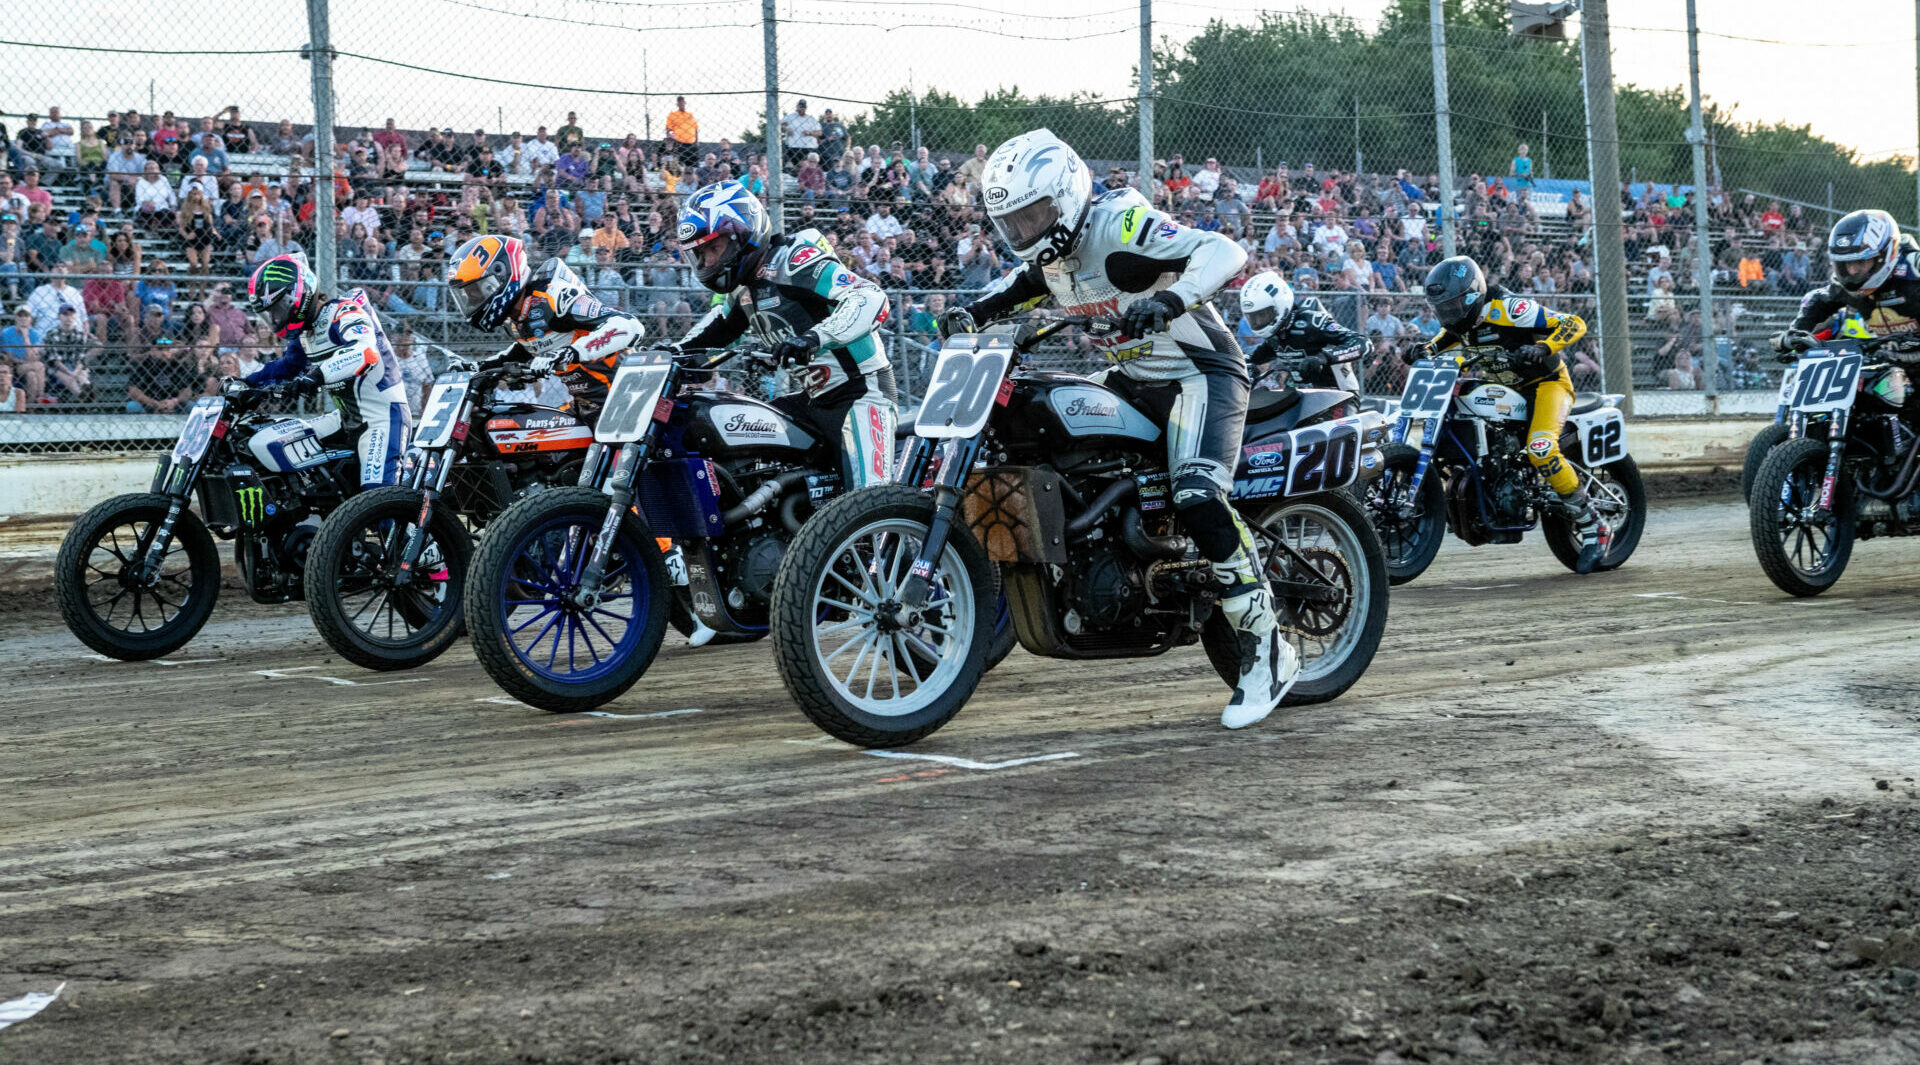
(721, 224)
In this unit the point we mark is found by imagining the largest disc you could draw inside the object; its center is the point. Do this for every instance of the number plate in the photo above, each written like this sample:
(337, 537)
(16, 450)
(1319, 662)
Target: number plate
(445, 409)
(1787, 381)
(1318, 458)
(1602, 436)
(1429, 386)
(965, 388)
(1826, 381)
(198, 432)
(632, 398)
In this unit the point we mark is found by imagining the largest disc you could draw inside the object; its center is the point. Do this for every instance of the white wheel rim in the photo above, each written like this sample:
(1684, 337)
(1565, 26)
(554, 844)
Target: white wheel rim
(870, 669)
(1307, 525)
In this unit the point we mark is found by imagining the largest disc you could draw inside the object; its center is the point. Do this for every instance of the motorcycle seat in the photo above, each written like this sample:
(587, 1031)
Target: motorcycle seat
(1266, 402)
(1585, 402)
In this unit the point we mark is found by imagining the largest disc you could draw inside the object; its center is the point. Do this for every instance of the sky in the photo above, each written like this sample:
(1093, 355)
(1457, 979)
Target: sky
(642, 52)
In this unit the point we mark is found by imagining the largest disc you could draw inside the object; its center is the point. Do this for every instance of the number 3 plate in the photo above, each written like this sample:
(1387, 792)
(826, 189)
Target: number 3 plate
(966, 381)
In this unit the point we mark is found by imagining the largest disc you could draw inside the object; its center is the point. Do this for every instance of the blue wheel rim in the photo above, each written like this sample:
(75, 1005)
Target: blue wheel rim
(551, 638)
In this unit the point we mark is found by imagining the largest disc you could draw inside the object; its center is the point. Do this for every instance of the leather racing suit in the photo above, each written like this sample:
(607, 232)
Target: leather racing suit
(358, 368)
(795, 285)
(1513, 323)
(572, 334)
(1326, 353)
(1191, 378)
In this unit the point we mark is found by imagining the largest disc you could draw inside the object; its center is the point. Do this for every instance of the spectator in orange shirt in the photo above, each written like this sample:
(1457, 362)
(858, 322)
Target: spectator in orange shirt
(1751, 273)
(682, 131)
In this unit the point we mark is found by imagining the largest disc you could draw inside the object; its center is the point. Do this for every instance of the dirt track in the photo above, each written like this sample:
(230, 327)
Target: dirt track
(1631, 817)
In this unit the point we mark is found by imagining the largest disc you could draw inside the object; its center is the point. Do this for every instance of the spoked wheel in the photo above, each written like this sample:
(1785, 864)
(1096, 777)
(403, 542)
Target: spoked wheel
(858, 668)
(1621, 498)
(360, 607)
(1803, 548)
(115, 608)
(1411, 526)
(1762, 444)
(1329, 577)
(532, 632)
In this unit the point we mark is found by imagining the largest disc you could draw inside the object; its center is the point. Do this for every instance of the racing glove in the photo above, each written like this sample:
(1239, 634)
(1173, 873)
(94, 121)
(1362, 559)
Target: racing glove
(797, 350)
(1145, 317)
(1311, 364)
(957, 320)
(306, 383)
(1791, 340)
(1534, 360)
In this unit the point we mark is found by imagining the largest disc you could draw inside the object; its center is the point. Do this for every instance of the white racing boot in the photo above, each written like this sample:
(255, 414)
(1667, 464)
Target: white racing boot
(1268, 663)
(677, 576)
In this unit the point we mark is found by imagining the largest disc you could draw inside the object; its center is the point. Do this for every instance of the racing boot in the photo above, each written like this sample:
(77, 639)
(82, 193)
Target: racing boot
(1591, 528)
(677, 576)
(1268, 663)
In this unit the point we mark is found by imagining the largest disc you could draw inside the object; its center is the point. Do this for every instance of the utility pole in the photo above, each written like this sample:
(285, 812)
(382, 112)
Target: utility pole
(1145, 106)
(776, 170)
(1916, 49)
(1443, 124)
(1703, 254)
(1610, 262)
(320, 51)
(646, 97)
(1358, 165)
(1546, 169)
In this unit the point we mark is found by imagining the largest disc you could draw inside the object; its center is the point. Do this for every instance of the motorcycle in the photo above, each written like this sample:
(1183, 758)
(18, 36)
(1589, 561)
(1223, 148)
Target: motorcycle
(1812, 498)
(883, 609)
(137, 576)
(1849, 324)
(567, 599)
(1470, 471)
(385, 575)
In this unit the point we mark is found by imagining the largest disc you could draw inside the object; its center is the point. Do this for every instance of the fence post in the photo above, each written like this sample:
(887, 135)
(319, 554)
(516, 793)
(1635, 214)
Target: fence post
(776, 165)
(1443, 124)
(1610, 260)
(1146, 98)
(1703, 247)
(320, 49)
(1916, 171)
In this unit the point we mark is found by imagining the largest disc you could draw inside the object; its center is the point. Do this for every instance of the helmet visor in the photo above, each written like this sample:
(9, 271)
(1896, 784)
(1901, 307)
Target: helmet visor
(1457, 310)
(1853, 273)
(1024, 226)
(1263, 318)
(469, 297)
(711, 253)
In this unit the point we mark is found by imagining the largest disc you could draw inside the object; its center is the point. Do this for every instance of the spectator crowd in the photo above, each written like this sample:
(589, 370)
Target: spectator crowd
(126, 291)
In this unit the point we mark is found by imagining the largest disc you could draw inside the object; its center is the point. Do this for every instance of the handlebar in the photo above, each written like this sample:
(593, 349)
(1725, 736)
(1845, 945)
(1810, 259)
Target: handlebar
(1035, 328)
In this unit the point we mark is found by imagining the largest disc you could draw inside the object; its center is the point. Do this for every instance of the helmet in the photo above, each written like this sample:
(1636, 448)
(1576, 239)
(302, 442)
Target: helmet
(1266, 302)
(1037, 191)
(485, 278)
(722, 223)
(1457, 289)
(285, 292)
(1863, 248)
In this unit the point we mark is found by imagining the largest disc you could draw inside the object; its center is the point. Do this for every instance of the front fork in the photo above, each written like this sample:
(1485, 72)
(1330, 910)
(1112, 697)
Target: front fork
(586, 591)
(947, 493)
(148, 570)
(430, 476)
(1836, 451)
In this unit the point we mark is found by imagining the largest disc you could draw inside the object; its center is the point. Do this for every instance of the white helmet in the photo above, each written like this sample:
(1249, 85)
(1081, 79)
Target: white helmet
(1037, 191)
(1266, 300)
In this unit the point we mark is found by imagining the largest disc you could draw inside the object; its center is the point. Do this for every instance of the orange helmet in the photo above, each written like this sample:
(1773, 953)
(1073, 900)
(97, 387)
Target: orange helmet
(485, 278)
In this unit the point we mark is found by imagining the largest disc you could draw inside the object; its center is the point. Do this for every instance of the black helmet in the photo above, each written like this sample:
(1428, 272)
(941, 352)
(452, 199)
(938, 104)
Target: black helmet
(1863, 248)
(1457, 289)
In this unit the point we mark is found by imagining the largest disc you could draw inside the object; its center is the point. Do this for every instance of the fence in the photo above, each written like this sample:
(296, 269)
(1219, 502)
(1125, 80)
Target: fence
(1311, 138)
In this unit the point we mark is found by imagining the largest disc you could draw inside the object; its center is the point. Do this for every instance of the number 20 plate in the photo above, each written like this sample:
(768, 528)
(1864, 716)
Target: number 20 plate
(965, 383)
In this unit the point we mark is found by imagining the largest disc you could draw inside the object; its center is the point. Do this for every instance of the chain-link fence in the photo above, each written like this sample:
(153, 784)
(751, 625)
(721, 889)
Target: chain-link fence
(183, 151)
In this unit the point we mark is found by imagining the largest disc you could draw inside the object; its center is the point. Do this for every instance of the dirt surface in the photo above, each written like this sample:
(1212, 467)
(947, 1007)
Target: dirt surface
(1660, 814)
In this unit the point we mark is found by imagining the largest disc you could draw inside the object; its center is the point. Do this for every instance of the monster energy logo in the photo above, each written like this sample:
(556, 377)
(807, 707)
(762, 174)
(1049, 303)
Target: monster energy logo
(252, 507)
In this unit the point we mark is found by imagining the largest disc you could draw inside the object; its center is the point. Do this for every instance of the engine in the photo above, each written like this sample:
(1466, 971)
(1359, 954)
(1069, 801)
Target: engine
(1103, 587)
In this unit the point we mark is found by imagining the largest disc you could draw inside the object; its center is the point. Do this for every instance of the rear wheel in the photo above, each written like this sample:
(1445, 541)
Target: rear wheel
(1621, 498)
(104, 600)
(1329, 575)
(858, 670)
(356, 603)
(1411, 527)
(531, 634)
(1802, 549)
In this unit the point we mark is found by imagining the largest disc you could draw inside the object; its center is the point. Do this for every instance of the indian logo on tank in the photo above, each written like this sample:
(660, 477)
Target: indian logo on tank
(1092, 408)
(740, 423)
(1087, 408)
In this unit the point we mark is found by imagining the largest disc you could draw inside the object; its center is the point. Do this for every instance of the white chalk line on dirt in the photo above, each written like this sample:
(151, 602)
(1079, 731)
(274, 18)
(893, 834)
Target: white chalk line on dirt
(968, 763)
(643, 717)
(1694, 598)
(13, 1011)
(291, 673)
(153, 661)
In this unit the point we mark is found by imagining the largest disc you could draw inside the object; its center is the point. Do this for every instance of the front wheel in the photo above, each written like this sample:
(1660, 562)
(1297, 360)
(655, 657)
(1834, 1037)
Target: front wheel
(1411, 527)
(1329, 578)
(359, 608)
(103, 597)
(856, 667)
(1802, 548)
(1621, 498)
(532, 633)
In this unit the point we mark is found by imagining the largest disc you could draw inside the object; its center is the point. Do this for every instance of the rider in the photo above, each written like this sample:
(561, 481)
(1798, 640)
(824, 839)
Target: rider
(1876, 275)
(549, 312)
(1473, 315)
(331, 343)
(1318, 351)
(813, 313)
(1173, 358)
